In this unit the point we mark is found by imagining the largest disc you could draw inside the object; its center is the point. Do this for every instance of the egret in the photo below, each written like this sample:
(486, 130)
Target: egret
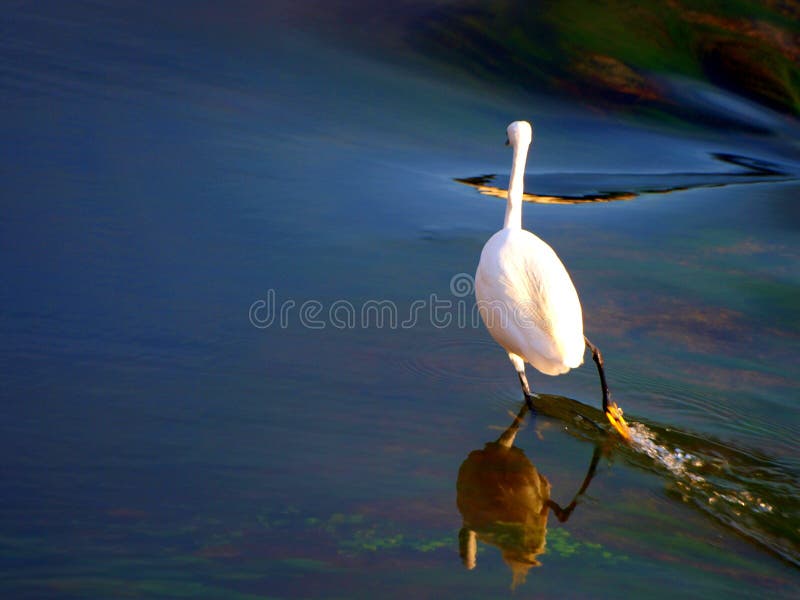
(526, 297)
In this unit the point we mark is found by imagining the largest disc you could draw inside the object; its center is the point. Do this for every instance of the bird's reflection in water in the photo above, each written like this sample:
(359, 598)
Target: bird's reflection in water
(504, 501)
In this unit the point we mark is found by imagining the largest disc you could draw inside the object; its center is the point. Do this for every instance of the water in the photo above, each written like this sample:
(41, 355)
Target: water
(163, 170)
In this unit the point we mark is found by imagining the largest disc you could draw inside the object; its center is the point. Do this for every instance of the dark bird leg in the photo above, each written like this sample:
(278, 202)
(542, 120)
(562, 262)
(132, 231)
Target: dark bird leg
(523, 381)
(519, 367)
(610, 408)
(598, 359)
(562, 514)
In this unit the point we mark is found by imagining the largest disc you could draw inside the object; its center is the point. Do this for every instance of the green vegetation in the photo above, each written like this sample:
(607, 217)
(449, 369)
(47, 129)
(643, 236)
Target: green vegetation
(561, 543)
(610, 51)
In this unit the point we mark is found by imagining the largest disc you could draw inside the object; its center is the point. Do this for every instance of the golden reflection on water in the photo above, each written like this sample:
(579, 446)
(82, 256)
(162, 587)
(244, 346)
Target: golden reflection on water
(630, 186)
(504, 501)
(481, 183)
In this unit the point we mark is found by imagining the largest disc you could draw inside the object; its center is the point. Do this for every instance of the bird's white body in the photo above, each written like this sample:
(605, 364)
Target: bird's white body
(525, 295)
(528, 302)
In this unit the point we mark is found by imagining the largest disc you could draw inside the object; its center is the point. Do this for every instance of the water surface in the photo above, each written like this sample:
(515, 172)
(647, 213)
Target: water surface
(163, 170)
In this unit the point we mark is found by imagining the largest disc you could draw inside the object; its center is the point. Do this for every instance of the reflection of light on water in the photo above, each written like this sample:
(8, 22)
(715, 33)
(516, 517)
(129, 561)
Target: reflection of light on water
(583, 188)
(743, 499)
(693, 486)
(676, 461)
(741, 488)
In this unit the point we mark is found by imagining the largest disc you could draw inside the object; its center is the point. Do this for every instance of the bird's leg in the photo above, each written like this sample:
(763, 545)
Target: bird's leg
(507, 438)
(598, 359)
(519, 365)
(523, 381)
(562, 514)
(610, 408)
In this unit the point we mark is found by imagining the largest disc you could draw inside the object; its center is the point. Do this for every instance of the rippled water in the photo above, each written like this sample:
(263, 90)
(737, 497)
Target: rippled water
(743, 489)
(165, 169)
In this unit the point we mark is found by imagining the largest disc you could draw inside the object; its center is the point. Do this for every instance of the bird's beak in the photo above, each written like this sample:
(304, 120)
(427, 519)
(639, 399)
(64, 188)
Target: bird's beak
(508, 143)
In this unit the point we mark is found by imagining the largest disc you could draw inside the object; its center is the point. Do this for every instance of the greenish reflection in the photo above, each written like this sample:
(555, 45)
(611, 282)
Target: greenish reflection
(607, 58)
(504, 501)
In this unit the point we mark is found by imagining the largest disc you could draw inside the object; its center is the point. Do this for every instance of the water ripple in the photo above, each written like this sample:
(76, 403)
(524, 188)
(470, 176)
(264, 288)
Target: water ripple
(745, 490)
(451, 359)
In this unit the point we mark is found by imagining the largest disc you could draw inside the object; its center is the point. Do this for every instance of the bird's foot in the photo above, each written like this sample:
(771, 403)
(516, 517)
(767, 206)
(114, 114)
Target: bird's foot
(614, 415)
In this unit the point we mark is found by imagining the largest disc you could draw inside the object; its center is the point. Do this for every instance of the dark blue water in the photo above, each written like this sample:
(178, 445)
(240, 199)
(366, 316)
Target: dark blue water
(164, 169)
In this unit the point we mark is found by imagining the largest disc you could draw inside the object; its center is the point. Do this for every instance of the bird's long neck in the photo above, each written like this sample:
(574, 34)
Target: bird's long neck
(515, 187)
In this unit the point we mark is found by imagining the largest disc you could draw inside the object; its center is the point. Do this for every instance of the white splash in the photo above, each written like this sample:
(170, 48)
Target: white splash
(676, 461)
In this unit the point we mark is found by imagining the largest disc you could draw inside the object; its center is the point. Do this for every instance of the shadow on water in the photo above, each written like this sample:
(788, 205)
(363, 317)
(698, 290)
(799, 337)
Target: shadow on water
(504, 501)
(744, 490)
(579, 188)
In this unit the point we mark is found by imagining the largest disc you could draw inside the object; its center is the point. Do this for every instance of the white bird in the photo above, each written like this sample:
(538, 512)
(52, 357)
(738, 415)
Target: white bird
(526, 297)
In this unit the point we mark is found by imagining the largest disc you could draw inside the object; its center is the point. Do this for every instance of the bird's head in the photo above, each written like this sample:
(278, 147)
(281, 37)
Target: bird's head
(520, 133)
